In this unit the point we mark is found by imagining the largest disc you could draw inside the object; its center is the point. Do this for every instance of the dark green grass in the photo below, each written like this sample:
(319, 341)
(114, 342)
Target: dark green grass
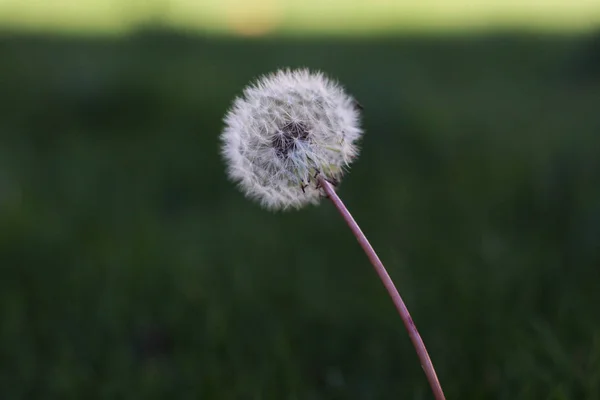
(131, 268)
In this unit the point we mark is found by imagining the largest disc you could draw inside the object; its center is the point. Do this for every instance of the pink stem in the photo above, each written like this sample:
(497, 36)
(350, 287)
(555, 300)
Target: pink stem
(426, 363)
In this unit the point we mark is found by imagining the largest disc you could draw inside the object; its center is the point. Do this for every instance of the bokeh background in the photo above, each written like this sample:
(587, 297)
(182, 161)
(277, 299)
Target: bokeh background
(130, 268)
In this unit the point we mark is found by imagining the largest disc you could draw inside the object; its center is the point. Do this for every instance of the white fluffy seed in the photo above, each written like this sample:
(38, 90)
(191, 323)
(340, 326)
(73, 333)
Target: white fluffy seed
(285, 130)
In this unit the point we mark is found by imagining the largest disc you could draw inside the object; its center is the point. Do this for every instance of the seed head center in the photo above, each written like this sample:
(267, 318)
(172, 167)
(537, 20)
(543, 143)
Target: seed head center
(286, 139)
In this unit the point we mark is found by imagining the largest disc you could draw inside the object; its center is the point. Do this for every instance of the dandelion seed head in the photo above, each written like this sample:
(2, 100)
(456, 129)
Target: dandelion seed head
(285, 130)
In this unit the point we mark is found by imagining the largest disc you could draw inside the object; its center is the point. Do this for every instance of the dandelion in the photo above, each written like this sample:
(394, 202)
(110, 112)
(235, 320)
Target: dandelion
(286, 130)
(288, 140)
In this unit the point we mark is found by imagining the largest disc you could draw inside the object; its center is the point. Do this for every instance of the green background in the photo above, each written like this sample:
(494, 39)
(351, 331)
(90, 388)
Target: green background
(299, 18)
(131, 268)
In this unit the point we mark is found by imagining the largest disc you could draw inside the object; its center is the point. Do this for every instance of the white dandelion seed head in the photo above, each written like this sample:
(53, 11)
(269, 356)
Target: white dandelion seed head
(286, 129)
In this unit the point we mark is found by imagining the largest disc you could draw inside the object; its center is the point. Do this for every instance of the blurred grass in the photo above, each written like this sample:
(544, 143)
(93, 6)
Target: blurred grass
(130, 267)
(309, 17)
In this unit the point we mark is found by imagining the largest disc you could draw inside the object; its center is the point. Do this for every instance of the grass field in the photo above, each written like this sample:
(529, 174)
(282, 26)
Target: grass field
(130, 267)
(309, 17)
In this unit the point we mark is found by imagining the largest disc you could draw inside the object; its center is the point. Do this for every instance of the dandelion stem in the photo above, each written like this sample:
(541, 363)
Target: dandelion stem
(424, 358)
